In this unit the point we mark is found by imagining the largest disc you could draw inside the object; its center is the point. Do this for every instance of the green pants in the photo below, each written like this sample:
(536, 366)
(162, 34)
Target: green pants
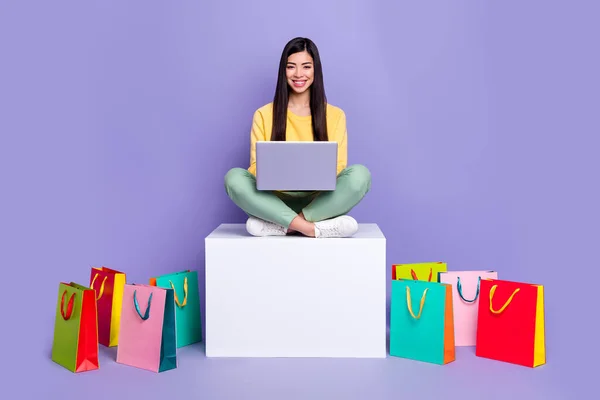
(281, 208)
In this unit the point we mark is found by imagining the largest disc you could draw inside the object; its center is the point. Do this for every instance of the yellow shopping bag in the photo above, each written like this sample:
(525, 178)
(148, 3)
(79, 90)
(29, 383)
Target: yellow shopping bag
(426, 271)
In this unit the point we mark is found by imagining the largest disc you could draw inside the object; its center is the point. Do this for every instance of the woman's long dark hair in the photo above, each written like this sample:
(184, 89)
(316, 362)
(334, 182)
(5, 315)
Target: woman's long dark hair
(318, 101)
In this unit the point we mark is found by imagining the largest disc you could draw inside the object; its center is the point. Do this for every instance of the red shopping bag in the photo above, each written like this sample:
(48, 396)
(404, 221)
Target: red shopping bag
(108, 285)
(510, 323)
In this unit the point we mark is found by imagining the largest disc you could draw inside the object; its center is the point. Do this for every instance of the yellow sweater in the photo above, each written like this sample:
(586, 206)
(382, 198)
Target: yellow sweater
(299, 129)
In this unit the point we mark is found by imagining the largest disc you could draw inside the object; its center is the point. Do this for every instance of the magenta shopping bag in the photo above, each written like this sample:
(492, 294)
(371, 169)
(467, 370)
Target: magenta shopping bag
(465, 300)
(147, 334)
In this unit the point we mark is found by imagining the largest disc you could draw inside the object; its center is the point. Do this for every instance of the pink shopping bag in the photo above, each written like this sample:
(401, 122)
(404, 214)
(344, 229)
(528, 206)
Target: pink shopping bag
(147, 333)
(465, 301)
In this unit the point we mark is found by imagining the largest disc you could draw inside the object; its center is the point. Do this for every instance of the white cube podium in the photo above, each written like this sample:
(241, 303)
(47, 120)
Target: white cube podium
(294, 296)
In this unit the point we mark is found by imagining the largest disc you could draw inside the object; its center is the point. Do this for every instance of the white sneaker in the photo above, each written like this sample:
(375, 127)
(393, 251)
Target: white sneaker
(342, 226)
(258, 227)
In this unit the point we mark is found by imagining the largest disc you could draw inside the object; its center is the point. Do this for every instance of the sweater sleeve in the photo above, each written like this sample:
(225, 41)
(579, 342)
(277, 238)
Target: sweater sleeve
(257, 133)
(341, 136)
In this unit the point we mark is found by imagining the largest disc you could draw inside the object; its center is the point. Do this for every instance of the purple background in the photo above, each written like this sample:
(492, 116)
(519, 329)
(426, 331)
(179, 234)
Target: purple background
(119, 119)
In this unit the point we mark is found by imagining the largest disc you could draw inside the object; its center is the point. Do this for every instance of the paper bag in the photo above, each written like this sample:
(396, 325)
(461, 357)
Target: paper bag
(75, 344)
(427, 271)
(465, 300)
(510, 324)
(147, 336)
(187, 304)
(108, 285)
(421, 321)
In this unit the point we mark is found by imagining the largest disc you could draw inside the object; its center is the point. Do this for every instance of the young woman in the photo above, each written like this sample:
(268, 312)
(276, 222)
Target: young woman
(300, 112)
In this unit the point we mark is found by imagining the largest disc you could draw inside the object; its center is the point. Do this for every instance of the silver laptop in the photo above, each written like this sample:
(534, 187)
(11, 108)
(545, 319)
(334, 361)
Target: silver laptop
(296, 166)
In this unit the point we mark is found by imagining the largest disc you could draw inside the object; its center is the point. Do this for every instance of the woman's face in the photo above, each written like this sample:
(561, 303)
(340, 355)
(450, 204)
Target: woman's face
(300, 71)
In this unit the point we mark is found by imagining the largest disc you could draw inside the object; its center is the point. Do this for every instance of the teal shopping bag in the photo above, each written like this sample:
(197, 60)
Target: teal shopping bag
(187, 304)
(421, 321)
